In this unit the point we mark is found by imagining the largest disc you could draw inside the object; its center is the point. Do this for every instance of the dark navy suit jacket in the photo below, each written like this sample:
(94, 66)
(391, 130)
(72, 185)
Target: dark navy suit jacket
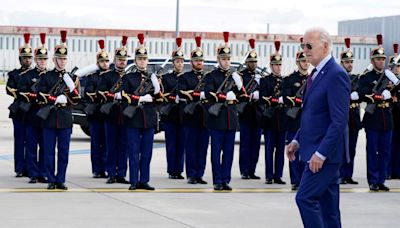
(325, 115)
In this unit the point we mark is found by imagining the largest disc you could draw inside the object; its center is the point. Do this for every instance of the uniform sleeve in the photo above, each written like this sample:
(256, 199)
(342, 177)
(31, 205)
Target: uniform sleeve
(12, 84)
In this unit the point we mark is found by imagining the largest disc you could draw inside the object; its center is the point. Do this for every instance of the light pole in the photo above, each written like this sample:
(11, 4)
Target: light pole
(177, 19)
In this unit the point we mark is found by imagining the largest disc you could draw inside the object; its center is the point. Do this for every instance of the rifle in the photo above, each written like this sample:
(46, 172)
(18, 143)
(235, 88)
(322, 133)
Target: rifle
(250, 87)
(166, 109)
(26, 106)
(106, 108)
(269, 111)
(216, 108)
(377, 89)
(191, 107)
(294, 111)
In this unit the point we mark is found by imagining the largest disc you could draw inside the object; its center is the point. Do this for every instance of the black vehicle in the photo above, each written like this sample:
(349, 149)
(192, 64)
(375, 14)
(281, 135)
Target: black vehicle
(79, 116)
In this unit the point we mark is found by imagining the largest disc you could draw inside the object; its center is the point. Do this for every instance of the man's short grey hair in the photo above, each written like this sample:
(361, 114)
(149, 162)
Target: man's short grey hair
(323, 35)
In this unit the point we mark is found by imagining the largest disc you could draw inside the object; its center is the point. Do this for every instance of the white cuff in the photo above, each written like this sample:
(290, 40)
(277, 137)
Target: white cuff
(322, 157)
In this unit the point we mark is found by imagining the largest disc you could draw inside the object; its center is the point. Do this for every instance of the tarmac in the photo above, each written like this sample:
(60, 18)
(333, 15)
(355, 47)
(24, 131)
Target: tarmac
(175, 203)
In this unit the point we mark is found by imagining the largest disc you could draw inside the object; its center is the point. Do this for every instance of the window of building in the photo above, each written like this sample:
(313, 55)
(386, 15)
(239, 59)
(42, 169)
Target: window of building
(208, 49)
(162, 47)
(91, 45)
(13, 43)
(73, 44)
(1, 42)
(168, 48)
(79, 45)
(156, 47)
(109, 46)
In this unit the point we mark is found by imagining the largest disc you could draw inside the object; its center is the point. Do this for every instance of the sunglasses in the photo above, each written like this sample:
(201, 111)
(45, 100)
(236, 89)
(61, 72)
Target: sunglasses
(307, 45)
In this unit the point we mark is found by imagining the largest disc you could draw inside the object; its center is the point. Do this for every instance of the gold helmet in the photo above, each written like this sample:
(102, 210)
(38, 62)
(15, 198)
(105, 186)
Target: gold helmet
(178, 52)
(393, 58)
(276, 58)
(61, 50)
(26, 49)
(122, 52)
(41, 52)
(197, 53)
(224, 50)
(252, 56)
(378, 52)
(347, 54)
(102, 54)
(141, 51)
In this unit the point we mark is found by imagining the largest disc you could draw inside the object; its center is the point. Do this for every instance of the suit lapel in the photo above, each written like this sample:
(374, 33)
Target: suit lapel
(321, 74)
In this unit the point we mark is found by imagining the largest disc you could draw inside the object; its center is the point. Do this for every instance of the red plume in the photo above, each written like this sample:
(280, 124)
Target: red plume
(27, 36)
(396, 48)
(63, 34)
(301, 40)
(140, 36)
(277, 45)
(198, 41)
(42, 38)
(226, 36)
(347, 42)
(124, 40)
(252, 43)
(101, 44)
(178, 41)
(379, 39)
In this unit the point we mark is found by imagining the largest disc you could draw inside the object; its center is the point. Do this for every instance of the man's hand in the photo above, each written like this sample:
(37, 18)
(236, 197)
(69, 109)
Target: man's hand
(291, 150)
(315, 163)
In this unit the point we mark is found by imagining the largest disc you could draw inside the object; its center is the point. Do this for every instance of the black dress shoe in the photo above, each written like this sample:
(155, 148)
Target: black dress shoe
(111, 180)
(103, 175)
(218, 187)
(42, 180)
(383, 187)
(145, 186)
(121, 180)
(61, 186)
(268, 181)
(374, 187)
(32, 180)
(179, 177)
(295, 187)
(192, 180)
(350, 180)
(19, 174)
(133, 187)
(226, 187)
(201, 181)
(279, 181)
(172, 176)
(51, 186)
(254, 177)
(96, 175)
(245, 177)
(343, 181)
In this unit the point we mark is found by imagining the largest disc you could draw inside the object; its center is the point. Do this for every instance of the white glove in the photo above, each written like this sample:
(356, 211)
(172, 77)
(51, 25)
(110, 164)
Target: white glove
(257, 78)
(255, 95)
(61, 99)
(177, 99)
(386, 94)
(230, 96)
(238, 80)
(389, 74)
(354, 96)
(146, 98)
(202, 95)
(155, 82)
(68, 81)
(280, 100)
(118, 96)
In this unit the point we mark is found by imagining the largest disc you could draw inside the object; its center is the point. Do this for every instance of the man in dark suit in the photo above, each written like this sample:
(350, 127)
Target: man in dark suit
(323, 135)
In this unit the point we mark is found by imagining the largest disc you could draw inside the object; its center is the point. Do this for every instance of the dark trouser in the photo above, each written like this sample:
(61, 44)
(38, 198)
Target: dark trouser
(394, 171)
(175, 147)
(318, 197)
(117, 159)
(20, 165)
(378, 155)
(140, 148)
(222, 143)
(274, 144)
(296, 167)
(346, 171)
(50, 137)
(196, 146)
(249, 151)
(35, 157)
(98, 149)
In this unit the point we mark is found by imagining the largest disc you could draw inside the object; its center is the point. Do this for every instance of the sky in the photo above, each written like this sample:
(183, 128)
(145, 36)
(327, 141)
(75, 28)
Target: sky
(248, 16)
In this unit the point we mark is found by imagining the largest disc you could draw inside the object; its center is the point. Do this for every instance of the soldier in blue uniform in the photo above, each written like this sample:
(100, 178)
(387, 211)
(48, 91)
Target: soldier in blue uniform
(57, 91)
(139, 90)
(346, 60)
(249, 118)
(221, 87)
(274, 120)
(192, 103)
(27, 90)
(98, 151)
(394, 169)
(292, 91)
(171, 117)
(16, 114)
(378, 120)
(109, 92)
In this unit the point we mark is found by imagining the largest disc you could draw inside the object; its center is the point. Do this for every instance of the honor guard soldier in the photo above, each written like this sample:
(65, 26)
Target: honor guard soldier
(394, 170)
(28, 89)
(193, 103)
(16, 114)
(98, 152)
(249, 118)
(378, 119)
(109, 92)
(221, 87)
(346, 60)
(57, 92)
(292, 91)
(274, 119)
(171, 116)
(140, 118)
